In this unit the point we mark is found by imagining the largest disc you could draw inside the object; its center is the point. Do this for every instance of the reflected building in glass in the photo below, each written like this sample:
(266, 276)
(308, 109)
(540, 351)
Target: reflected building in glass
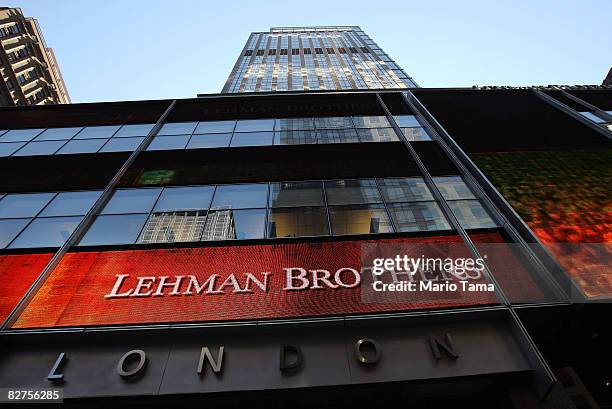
(314, 58)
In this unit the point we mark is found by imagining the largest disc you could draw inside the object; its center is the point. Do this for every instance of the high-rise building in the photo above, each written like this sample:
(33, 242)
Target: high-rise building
(29, 70)
(314, 58)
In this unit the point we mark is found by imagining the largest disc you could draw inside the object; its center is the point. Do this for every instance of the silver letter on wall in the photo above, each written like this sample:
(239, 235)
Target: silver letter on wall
(448, 347)
(285, 352)
(57, 367)
(214, 364)
(135, 353)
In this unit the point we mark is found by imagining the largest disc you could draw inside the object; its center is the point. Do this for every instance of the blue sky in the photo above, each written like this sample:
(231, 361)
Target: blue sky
(128, 50)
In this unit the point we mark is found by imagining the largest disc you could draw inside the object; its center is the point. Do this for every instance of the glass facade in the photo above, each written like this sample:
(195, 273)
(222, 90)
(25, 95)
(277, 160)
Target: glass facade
(314, 58)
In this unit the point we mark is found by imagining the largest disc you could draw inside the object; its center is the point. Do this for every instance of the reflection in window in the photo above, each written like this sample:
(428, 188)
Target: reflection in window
(406, 121)
(255, 125)
(92, 132)
(289, 194)
(297, 222)
(471, 214)
(132, 201)
(177, 128)
(168, 227)
(592, 117)
(298, 137)
(333, 122)
(184, 198)
(23, 205)
(364, 219)
(215, 127)
(20, 135)
(337, 136)
(55, 134)
(134, 130)
(292, 124)
(411, 189)
(9, 229)
(71, 203)
(8, 148)
(252, 139)
(122, 144)
(217, 140)
(416, 134)
(47, 232)
(114, 229)
(453, 187)
(241, 196)
(352, 191)
(371, 121)
(168, 142)
(377, 135)
(226, 224)
(82, 146)
(421, 216)
(40, 148)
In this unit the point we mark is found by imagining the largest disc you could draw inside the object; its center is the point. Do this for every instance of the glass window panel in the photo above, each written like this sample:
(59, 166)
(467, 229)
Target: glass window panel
(71, 203)
(114, 229)
(416, 134)
(184, 198)
(9, 229)
(406, 121)
(40, 148)
(55, 134)
(46, 232)
(297, 222)
(289, 194)
(240, 196)
(295, 137)
(377, 135)
(160, 143)
(132, 201)
(20, 135)
(215, 127)
(592, 117)
(337, 136)
(292, 124)
(177, 128)
(254, 125)
(23, 205)
(333, 122)
(122, 144)
(97, 132)
(6, 149)
(420, 216)
(2, 132)
(371, 121)
(82, 146)
(170, 227)
(216, 140)
(471, 214)
(404, 189)
(453, 187)
(252, 139)
(234, 224)
(352, 191)
(362, 219)
(134, 130)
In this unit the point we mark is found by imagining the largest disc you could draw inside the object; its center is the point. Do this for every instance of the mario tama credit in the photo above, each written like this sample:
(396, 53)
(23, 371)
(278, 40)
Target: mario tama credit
(403, 273)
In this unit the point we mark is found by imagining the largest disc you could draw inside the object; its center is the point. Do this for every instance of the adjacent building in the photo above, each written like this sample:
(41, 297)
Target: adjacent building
(29, 70)
(314, 58)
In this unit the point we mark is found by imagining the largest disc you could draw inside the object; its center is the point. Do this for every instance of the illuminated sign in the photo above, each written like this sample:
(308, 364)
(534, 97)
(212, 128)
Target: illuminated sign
(226, 283)
(17, 273)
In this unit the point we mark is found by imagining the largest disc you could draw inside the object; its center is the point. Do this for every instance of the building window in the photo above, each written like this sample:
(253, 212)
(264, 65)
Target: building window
(359, 219)
(297, 222)
(132, 201)
(241, 196)
(169, 227)
(352, 191)
(418, 216)
(293, 194)
(412, 189)
(248, 53)
(272, 51)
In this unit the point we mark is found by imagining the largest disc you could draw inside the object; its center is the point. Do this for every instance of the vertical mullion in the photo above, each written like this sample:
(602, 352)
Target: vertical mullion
(329, 227)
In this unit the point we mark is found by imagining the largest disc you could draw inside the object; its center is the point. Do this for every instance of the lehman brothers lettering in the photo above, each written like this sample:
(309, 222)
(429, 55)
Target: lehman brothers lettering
(251, 282)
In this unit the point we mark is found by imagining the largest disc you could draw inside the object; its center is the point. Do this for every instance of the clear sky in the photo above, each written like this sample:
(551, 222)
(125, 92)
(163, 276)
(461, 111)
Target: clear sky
(112, 50)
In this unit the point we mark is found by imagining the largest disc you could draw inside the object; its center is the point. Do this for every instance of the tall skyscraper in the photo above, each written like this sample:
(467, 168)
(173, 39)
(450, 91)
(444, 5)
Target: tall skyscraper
(29, 71)
(314, 58)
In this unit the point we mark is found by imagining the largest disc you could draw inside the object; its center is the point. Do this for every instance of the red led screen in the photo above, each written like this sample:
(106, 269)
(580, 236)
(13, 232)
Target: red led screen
(124, 287)
(17, 273)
